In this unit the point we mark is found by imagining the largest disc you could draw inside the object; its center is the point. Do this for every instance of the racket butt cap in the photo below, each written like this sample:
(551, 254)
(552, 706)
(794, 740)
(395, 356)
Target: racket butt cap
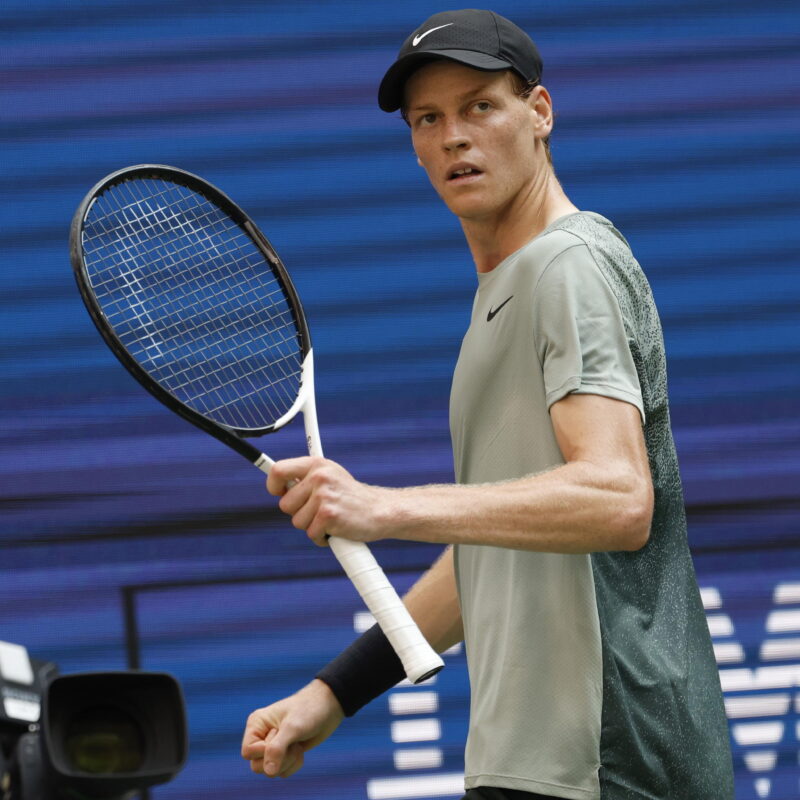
(429, 674)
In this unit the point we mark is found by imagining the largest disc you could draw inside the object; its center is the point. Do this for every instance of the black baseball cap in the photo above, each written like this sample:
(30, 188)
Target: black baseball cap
(480, 39)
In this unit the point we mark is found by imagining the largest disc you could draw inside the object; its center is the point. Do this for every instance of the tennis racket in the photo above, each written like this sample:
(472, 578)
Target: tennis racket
(196, 304)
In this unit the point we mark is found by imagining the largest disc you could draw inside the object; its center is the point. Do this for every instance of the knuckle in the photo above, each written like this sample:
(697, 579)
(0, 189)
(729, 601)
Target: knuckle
(275, 472)
(327, 512)
(324, 472)
(317, 478)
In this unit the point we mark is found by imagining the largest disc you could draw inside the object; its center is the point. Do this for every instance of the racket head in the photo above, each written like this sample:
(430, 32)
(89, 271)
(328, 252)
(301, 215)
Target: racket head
(193, 300)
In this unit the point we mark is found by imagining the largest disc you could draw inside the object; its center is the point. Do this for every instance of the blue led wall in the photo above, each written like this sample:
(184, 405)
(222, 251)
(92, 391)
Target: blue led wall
(128, 535)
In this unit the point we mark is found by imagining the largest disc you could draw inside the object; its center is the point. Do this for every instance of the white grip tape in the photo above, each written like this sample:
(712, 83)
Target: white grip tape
(419, 659)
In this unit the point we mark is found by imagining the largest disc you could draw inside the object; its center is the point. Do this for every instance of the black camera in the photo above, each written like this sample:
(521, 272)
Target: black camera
(96, 736)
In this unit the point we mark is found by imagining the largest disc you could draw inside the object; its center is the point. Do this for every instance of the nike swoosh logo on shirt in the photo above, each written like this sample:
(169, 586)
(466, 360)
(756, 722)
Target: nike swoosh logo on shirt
(492, 314)
(421, 36)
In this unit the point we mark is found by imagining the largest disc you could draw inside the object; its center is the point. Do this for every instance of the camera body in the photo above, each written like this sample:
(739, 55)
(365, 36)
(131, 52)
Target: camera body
(95, 735)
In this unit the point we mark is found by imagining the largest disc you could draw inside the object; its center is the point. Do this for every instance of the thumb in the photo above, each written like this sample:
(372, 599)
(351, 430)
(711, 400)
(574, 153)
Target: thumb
(253, 750)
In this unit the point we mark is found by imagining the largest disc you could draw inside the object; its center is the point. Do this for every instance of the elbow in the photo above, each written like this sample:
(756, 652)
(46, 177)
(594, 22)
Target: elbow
(636, 520)
(637, 536)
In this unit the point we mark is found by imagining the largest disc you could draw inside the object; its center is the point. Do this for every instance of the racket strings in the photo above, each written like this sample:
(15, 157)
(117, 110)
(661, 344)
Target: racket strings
(255, 315)
(210, 325)
(198, 388)
(239, 315)
(194, 301)
(281, 321)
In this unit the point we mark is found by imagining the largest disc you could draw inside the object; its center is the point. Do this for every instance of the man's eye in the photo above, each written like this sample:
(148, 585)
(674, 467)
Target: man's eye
(482, 106)
(427, 119)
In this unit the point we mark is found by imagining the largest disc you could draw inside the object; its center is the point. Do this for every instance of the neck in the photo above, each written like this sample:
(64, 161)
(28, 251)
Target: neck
(493, 238)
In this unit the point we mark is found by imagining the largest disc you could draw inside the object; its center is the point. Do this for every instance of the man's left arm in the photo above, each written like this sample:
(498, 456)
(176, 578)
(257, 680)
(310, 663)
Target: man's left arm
(601, 498)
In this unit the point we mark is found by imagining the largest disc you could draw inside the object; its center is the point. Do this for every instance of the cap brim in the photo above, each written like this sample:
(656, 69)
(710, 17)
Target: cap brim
(390, 93)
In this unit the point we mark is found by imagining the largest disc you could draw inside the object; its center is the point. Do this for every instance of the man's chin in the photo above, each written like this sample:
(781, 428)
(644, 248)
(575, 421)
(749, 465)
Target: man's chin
(472, 208)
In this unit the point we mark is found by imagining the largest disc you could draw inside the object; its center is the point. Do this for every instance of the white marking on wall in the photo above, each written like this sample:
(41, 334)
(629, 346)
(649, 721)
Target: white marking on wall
(739, 680)
(728, 652)
(786, 593)
(783, 621)
(362, 621)
(418, 758)
(780, 649)
(416, 730)
(415, 787)
(751, 733)
(759, 705)
(710, 597)
(720, 625)
(413, 702)
(760, 737)
(763, 786)
(761, 760)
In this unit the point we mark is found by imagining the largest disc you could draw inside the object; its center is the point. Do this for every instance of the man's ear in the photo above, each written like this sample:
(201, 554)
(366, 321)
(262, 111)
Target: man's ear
(419, 162)
(542, 105)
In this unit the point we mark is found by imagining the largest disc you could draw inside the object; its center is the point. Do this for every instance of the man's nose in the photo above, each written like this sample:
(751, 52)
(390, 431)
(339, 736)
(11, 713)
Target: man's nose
(456, 143)
(455, 138)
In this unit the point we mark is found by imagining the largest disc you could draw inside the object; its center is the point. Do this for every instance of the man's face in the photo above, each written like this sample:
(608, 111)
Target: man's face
(475, 138)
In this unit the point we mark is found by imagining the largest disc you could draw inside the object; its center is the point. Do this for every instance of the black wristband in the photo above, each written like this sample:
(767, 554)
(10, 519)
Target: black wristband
(362, 672)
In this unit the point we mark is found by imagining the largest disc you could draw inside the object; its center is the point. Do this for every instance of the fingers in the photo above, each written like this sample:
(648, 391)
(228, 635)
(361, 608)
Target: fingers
(294, 760)
(295, 757)
(306, 486)
(278, 736)
(289, 470)
(296, 504)
(256, 730)
(283, 755)
(272, 756)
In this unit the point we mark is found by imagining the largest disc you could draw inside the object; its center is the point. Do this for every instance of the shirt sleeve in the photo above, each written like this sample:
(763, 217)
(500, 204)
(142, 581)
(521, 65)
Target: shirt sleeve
(579, 332)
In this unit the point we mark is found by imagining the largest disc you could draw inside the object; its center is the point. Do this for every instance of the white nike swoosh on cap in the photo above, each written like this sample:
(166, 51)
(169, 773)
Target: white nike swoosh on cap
(417, 39)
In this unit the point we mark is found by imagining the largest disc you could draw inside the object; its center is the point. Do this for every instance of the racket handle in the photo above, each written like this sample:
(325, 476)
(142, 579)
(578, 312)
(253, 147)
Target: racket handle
(420, 661)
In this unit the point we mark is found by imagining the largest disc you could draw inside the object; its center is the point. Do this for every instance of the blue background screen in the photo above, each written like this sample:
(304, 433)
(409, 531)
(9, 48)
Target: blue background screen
(128, 534)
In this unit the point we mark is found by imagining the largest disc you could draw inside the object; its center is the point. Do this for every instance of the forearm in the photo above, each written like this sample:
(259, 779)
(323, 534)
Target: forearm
(578, 507)
(433, 603)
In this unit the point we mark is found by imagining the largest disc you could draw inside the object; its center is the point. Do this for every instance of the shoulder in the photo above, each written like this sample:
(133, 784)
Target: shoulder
(568, 263)
(549, 247)
(592, 229)
(606, 251)
(579, 237)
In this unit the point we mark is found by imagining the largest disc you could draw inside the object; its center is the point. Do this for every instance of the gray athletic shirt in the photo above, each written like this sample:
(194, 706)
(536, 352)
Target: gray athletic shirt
(592, 676)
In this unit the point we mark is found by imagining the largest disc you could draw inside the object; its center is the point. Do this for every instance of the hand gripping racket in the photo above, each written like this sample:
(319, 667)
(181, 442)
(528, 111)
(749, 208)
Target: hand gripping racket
(196, 304)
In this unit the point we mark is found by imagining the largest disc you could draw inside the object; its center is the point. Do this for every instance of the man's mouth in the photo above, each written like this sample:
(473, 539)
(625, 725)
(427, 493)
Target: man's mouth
(463, 173)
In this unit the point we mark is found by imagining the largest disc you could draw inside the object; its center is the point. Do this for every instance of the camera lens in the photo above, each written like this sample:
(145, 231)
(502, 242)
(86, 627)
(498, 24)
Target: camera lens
(104, 740)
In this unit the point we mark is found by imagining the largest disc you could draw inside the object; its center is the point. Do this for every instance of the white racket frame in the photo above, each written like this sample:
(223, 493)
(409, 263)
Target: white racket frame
(419, 659)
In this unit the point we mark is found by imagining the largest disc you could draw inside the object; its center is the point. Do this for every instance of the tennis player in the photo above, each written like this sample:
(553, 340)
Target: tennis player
(567, 571)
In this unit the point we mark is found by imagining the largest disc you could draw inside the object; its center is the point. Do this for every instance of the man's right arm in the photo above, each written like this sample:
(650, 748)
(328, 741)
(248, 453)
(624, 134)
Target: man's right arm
(277, 736)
